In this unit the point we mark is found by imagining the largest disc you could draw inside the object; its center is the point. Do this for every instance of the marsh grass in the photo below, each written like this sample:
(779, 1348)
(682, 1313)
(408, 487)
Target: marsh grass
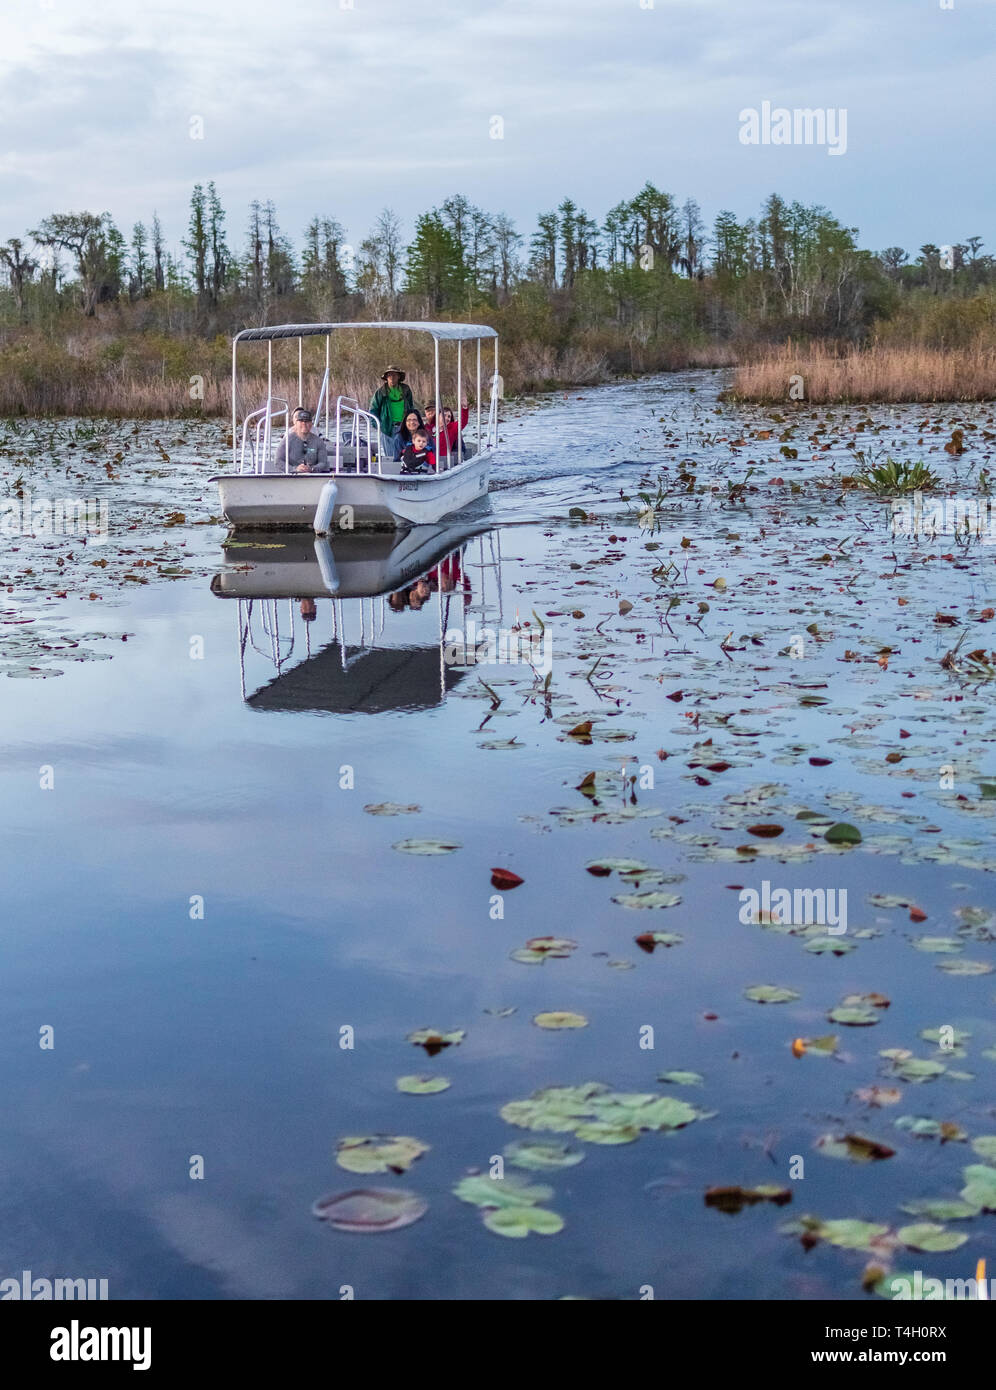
(880, 373)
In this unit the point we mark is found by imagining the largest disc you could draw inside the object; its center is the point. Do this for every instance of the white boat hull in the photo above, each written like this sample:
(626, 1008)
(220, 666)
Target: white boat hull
(265, 501)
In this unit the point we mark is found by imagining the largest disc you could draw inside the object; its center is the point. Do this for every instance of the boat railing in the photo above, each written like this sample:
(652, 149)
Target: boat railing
(348, 410)
(492, 435)
(258, 447)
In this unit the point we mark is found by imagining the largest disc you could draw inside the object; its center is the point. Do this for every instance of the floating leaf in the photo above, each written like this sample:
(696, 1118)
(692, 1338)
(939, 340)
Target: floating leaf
(980, 1186)
(941, 1208)
(829, 946)
(856, 1147)
(427, 846)
(765, 831)
(682, 1078)
(770, 994)
(938, 945)
(562, 1018)
(649, 939)
(647, 899)
(966, 967)
(926, 1235)
(985, 1147)
(433, 1041)
(379, 1153)
(370, 1210)
(517, 1222)
(422, 1085)
(843, 834)
(483, 1191)
(879, 1095)
(538, 948)
(504, 879)
(391, 808)
(733, 1199)
(917, 1069)
(541, 1156)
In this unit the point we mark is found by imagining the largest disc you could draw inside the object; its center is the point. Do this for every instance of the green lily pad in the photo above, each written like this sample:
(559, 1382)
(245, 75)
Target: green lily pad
(830, 946)
(927, 1235)
(604, 1132)
(391, 808)
(941, 1208)
(966, 967)
(369, 1211)
(889, 900)
(770, 994)
(422, 1085)
(517, 1222)
(917, 1069)
(843, 834)
(592, 1111)
(846, 1233)
(985, 1147)
(482, 1191)
(379, 1153)
(682, 1078)
(539, 948)
(938, 945)
(980, 1186)
(539, 1156)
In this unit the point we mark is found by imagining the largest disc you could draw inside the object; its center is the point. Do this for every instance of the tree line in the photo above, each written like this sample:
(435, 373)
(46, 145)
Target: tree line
(650, 267)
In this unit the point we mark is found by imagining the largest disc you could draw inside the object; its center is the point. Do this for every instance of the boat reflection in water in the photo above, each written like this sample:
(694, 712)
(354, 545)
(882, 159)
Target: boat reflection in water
(360, 623)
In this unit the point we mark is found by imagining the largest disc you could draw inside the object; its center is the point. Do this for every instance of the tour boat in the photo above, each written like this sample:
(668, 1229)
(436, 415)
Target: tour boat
(363, 490)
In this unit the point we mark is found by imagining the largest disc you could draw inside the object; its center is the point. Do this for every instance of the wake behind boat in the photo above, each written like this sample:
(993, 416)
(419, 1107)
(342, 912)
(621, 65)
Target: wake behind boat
(365, 487)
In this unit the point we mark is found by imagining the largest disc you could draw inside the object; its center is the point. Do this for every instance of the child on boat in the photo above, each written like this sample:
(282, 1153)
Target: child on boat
(417, 456)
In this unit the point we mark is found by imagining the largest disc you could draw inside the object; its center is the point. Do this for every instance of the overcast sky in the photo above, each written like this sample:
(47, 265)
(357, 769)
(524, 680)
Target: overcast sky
(341, 111)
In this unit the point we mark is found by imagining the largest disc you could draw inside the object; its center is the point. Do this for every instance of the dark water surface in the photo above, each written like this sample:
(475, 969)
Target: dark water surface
(179, 777)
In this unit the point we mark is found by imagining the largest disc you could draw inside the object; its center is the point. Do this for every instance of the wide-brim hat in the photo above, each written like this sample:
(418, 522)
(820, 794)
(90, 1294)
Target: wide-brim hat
(397, 370)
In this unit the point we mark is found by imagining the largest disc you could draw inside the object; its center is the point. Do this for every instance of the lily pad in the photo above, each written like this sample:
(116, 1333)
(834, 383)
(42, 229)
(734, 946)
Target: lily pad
(433, 1041)
(829, 946)
(980, 1186)
(368, 1211)
(941, 1208)
(422, 1085)
(379, 1153)
(770, 994)
(682, 1078)
(858, 1148)
(733, 1199)
(985, 1147)
(843, 834)
(648, 898)
(391, 808)
(481, 1191)
(427, 846)
(927, 1235)
(517, 1222)
(540, 1156)
(562, 1018)
(966, 967)
(648, 940)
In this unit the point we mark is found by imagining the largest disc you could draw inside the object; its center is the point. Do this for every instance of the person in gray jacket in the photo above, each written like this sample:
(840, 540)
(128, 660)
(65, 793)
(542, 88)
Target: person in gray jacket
(307, 450)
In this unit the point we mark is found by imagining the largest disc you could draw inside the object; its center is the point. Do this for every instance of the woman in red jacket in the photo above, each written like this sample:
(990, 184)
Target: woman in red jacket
(450, 432)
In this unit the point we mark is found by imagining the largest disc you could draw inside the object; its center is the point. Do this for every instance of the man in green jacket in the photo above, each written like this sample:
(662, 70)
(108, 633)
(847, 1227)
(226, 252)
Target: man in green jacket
(390, 404)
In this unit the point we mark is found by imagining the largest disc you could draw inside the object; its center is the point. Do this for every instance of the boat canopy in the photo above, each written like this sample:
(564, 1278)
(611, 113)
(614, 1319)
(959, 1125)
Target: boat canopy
(446, 332)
